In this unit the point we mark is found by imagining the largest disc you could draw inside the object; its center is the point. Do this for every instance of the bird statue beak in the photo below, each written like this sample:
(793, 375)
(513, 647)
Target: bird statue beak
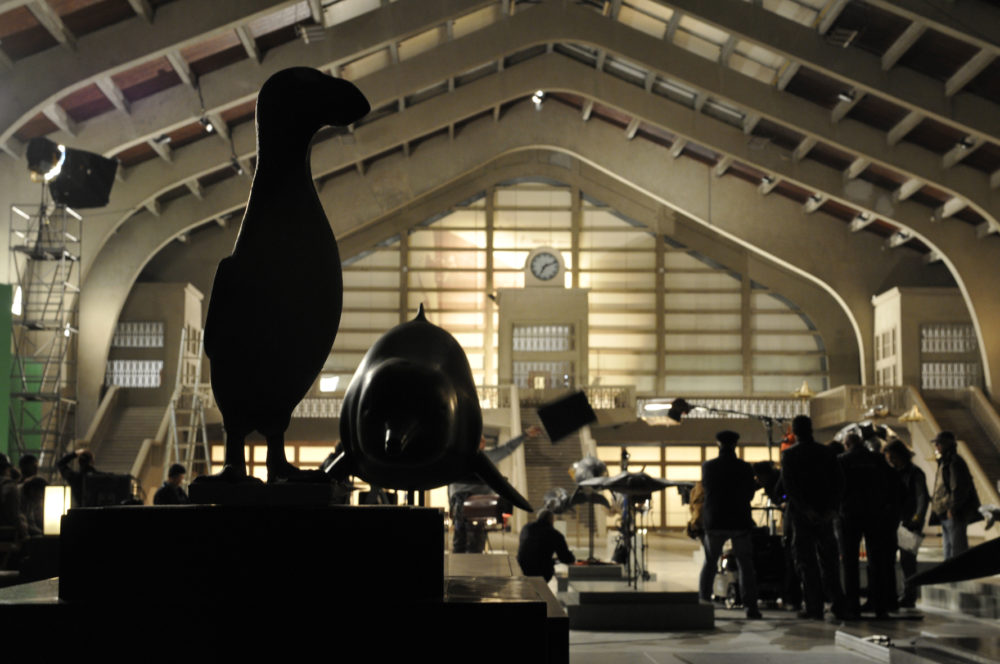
(347, 102)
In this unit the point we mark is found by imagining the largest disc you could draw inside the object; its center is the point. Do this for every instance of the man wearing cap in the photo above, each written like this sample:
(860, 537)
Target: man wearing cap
(171, 492)
(954, 503)
(912, 508)
(729, 485)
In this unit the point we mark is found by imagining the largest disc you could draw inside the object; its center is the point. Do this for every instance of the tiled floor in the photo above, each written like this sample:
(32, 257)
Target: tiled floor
(780, 638)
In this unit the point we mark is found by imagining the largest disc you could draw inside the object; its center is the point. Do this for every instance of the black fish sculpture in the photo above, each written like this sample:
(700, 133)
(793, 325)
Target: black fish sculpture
(276, 301)
(411, 419)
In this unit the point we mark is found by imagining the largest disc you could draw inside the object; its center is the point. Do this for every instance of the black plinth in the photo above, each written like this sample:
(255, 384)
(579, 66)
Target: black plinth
(229, 554)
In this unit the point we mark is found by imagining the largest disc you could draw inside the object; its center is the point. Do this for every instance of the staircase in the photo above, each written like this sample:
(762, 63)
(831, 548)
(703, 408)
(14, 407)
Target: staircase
(548, 467)
(120, 446)
(953, 415)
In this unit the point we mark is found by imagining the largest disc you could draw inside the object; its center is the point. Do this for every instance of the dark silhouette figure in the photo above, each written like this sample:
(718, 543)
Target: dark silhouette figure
(32, 488)
(729, 485)
(74, 478)
(276, 302)
(539, 542)
(870, 510)
(814, 485)
(411, 418)
(954, 503)
(172, 493)
(913, 505)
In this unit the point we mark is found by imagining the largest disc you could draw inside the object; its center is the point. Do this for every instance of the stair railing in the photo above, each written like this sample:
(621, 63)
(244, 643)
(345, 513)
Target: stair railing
(984, 412)
(101, 424)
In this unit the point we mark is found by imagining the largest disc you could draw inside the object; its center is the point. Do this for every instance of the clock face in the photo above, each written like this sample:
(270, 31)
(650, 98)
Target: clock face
(544, 266)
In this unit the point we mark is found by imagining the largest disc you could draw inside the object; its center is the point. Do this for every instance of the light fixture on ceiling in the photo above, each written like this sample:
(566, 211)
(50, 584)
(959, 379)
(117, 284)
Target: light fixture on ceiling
(966, 143)
(162, 138)
(329, 383)
(235, 164)
(864, 216)
(767, 179)
(842, 37)
(538, 99)
(207, 124)
(846, 96)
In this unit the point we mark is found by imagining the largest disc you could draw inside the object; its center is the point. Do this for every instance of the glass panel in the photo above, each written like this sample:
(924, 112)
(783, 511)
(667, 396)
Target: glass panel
(533, 196)
(435, 301)
(441, 279)
(508, 279)
(730, 322)
(707, 281)
(609, 453)
(782, 384)
(440, 238)
(606, 260)
(531, 238)
(644, 454)
(778, 322)
(376, 300)
(368, 321)
(676, 260)
(723, 363)
(475, 21)
(643, 384)
(462, 218)
(704, 384)
(626, 320)
(447, 259)
(783, 342)
(622, 340)
(641, 22)
(800, 363)
(768, 302)
(380, 258)
(366, 65)
(717, 342)
(418, 44)
(356, 340)
(618, 280)
(627, 238)
(617, 301)
(754, 453)
(620, 363)
(703, 301)
(370, 279)
(690, 454)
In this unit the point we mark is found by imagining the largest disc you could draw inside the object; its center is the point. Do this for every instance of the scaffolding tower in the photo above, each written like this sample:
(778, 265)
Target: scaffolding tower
(44, 270)
(188, 432)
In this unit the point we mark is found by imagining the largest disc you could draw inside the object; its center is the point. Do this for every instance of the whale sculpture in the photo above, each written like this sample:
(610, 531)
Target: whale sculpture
(410, 417)
(276, 301)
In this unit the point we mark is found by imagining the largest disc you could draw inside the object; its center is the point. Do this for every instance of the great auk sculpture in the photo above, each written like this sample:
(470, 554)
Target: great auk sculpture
(411, 418)
(276, 301)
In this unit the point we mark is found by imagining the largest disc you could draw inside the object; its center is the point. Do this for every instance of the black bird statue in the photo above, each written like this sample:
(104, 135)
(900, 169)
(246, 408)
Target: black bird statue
(276, 301)
(411, 418)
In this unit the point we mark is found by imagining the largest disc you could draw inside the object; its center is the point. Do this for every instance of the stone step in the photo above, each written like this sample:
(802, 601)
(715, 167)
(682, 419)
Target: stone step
(979, 597)
(613, 605)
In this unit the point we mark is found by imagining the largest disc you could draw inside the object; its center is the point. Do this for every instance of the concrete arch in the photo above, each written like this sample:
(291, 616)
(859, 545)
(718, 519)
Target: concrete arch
(391, 184)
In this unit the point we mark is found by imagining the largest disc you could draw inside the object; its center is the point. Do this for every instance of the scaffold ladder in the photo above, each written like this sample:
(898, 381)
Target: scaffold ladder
(187, 409)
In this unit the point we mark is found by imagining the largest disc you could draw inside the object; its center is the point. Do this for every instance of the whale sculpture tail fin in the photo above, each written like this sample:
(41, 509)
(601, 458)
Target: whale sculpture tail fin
(487, 472)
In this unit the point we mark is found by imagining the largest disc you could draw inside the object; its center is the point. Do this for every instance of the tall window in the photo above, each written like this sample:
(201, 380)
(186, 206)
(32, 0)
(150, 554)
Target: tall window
(663, 318)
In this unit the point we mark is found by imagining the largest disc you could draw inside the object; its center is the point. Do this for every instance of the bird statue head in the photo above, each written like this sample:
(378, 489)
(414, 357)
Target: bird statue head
(303, 98)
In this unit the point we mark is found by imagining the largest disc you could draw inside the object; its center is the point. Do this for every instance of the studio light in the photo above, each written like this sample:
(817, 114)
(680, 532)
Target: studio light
(75, 177)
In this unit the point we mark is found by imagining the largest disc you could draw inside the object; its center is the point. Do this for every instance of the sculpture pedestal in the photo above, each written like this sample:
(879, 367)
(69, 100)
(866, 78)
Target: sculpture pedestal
(237, 553)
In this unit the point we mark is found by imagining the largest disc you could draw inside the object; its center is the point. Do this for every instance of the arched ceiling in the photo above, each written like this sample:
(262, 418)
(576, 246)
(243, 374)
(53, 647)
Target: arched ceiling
(878, 119)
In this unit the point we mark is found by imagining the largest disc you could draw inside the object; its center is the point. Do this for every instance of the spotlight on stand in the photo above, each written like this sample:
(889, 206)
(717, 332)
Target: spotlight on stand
(75, 177)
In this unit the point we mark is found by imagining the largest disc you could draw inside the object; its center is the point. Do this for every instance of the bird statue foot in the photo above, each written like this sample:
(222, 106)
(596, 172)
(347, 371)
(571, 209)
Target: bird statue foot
(229, 475)
(287, 473)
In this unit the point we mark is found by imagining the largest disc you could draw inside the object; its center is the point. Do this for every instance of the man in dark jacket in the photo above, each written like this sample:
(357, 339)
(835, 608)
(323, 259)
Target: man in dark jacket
(74, 478)
(870, 510)
(172, 493)
(913, 504)
(813, 484)
(729, 486)
(539, 542)
(955, 502)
